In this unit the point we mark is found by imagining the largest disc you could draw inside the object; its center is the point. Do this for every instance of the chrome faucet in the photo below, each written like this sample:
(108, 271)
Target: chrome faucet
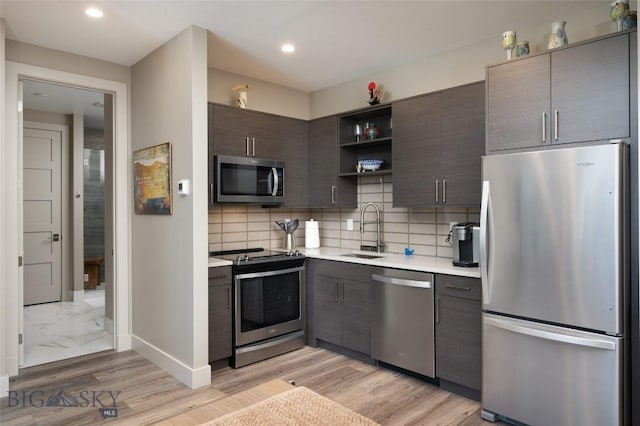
(379, 243)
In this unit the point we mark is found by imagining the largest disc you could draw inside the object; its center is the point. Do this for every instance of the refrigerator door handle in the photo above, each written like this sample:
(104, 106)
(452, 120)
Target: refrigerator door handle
(484, 255)
(548, 335)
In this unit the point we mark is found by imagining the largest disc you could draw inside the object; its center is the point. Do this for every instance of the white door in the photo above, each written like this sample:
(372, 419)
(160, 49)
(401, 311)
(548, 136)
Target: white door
(42, 214)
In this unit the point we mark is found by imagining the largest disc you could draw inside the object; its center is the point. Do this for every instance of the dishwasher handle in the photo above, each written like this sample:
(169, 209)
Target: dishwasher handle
(401, 281)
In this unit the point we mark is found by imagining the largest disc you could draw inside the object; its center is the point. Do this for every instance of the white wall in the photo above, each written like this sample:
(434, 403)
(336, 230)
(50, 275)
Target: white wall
(4, 377)
(455, 67)
(262, 96)
(169, 253)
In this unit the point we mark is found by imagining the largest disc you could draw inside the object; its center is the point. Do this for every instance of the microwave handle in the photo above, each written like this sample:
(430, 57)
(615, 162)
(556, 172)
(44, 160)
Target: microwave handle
(276, 181)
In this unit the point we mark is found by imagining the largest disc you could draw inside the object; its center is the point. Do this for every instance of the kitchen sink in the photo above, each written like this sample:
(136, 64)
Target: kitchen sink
(363, 255)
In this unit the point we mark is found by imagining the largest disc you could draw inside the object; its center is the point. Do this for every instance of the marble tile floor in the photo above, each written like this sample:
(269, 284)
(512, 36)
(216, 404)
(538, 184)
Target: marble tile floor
(61, 330)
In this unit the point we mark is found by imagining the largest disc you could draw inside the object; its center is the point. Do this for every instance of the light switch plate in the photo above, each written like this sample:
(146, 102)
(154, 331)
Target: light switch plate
(349, 224)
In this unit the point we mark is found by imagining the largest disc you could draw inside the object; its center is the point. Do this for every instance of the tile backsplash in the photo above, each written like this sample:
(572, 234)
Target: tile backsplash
(422, 229)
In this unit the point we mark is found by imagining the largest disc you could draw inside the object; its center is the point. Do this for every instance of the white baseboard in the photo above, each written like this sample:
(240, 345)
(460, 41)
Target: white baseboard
(4, 386)
(194, 378)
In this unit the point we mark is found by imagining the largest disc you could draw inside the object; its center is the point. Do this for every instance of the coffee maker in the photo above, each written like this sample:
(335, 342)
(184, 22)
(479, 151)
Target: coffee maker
(465, 239)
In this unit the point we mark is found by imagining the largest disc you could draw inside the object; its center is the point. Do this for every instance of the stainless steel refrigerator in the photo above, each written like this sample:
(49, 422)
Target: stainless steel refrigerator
(555, 280)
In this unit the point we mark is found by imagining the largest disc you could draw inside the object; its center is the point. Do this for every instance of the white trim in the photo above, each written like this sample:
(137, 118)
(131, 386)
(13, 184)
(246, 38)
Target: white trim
(194, 378)
(4, 386)
(122, 175)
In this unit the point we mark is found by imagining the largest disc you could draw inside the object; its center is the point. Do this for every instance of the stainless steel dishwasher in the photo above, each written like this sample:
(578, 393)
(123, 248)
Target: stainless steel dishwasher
(402, 331)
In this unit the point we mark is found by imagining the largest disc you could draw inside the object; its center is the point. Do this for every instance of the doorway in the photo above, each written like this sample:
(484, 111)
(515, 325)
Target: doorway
(65, 147)
(117, 224)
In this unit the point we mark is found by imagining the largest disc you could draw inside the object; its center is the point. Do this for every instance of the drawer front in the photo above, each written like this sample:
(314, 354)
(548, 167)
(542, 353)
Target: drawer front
(344, 270)
(220, 275)
(465, 287)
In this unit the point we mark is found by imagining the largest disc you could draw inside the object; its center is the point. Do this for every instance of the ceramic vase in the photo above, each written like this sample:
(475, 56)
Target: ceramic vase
(371, 132)
(508, 42)
(631, 21)
(522, 48)
(618, 11)
(558, 36)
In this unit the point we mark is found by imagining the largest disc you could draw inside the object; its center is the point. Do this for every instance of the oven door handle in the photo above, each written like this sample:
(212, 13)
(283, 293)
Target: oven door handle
(268, 273)
(268, 344)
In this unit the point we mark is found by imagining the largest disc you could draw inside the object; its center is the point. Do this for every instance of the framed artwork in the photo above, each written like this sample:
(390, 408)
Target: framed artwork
(152, 180)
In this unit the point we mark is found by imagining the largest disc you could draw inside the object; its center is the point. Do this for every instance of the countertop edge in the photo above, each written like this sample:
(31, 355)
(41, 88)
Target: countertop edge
(436, 265)
(214, 262)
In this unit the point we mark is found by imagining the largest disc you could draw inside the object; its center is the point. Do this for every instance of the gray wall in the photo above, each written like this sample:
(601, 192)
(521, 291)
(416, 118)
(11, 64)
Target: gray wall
(262, 96)
(63, 61)
(456, 67)
(169, 253)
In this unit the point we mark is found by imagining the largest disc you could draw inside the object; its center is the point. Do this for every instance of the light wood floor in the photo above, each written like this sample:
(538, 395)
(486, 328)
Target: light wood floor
(150, 395)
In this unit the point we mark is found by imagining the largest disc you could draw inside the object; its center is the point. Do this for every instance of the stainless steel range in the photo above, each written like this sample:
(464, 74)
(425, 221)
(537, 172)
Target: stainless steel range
(268, 300)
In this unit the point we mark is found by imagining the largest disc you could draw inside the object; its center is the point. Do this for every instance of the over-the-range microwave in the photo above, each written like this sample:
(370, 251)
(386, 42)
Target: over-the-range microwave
(248, 180)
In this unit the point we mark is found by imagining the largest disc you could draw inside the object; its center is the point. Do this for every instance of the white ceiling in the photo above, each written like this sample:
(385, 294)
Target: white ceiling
(65, 100)
(336, 41)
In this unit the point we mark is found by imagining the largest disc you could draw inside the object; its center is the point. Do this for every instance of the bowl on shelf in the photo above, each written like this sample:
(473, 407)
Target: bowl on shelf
(370, 165)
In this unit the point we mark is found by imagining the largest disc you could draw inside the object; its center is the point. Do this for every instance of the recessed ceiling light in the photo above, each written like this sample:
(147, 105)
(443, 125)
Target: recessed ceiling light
(288, 48)
(94, 12)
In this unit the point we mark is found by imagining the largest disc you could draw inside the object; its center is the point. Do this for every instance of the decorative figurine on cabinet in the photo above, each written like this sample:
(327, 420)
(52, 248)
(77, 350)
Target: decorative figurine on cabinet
(558, 36)
(508, 42)
(618, 11)
(375, 94)
(241, 95)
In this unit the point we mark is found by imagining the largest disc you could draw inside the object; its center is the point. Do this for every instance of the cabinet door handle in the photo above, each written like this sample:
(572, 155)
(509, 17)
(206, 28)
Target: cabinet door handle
(210, 193)
(455, 287)
(544, 127)
(438, 310)
(337, 291)
(228, 298)
(341, 292)
(437, 189)
(555, 124)
(333, 194)
(253, 147)
(444, 191)
(246, 141)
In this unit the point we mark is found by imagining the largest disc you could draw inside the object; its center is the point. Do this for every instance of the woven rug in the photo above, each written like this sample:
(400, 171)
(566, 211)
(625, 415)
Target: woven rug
(298, 406)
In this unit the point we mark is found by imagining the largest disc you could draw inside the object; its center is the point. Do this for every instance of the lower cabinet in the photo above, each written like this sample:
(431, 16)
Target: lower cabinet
(459, 330)
(220, 320)
(342, 307)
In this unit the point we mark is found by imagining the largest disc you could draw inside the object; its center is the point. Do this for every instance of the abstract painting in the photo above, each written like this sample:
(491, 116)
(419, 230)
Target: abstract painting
(152, 180)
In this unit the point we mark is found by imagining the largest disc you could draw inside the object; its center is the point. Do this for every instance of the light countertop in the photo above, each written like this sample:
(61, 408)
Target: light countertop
(414, 262)
(214, 262)
(436, 265)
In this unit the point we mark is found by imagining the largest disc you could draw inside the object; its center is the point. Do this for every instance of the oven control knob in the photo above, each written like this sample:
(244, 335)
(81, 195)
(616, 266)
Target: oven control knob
(242, 258)
(297, 253)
